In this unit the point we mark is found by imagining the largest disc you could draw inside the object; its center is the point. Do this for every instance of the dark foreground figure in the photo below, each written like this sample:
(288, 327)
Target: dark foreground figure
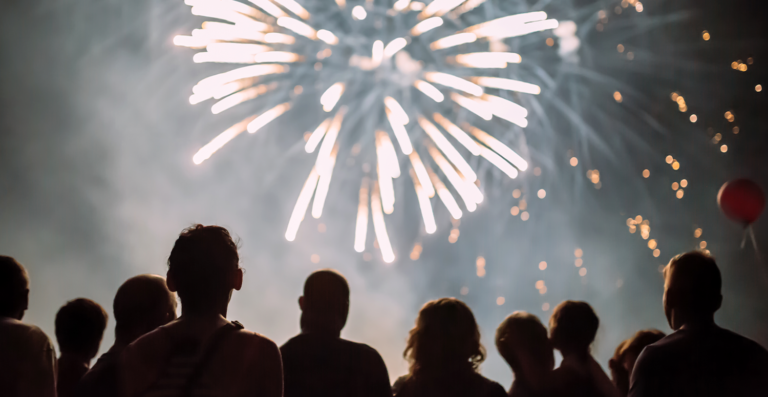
(80, 326)
(141, 304)
(27, 358)
(318, 362)
(624, 358)
(445, 352)
(523, 343)
(572, 329)
(699, 359)
(202, 353)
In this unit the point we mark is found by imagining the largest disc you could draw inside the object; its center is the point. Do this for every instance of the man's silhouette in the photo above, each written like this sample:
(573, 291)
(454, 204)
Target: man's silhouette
(202, 353)
(27, 358)
(80, 326)
(141, 304)
(699, 359)
(318, 362)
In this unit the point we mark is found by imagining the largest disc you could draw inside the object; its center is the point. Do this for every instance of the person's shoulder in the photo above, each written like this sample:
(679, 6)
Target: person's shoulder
(741, 339)
(11, 324)
(253, 338)
(31, 334)
(656, 357)
(362, 348)
(565, 377)
(490, 387)
(293, 343)
(665, 346)
(400, 384)
(152, 338)
(743, 344)
(149, 348)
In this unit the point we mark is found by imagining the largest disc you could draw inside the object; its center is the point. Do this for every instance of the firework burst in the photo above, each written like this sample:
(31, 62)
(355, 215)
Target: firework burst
(363, 62)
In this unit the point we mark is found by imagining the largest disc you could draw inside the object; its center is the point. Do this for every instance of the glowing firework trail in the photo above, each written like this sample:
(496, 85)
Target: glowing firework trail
(426, 207)
(301, 206)
(379, 227)
(361, 227)
(323, 185)
(445, 196)
(370, 72)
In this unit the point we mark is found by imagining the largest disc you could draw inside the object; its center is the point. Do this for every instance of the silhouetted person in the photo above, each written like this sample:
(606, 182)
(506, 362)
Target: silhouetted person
(80, 326)
(445, 352)
(202, 353)
(27, 358)
(626, 354)
(523, 343)
(141, 304)
(572, 329)
(699, 359)
(318, 362)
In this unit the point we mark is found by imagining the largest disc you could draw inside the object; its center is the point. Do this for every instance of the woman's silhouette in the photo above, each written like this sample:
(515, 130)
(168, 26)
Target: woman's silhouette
(445, 352)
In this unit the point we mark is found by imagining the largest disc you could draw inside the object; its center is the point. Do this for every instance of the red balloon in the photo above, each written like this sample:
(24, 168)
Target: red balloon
(741, 200)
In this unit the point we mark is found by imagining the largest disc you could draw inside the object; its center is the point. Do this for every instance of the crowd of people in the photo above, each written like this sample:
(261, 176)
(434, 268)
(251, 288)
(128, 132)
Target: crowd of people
(201, 353)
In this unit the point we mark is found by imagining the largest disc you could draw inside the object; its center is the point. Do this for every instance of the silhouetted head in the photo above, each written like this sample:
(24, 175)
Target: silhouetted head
(445, 339)
(523, 343)
(80, 325)
(626, 354)
(14, 288)
(572, 327)
(203, 268)
(692, 289)
(325, 303)
(142, 304)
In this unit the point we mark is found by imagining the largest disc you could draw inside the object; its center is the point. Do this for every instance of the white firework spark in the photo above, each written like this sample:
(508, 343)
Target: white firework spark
(426, 56)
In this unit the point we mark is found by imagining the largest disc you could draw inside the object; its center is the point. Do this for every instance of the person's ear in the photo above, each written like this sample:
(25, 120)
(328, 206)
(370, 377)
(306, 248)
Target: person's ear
(26, 299)
(301, 303)
(237, 282)
(170, 282)
(719, 302)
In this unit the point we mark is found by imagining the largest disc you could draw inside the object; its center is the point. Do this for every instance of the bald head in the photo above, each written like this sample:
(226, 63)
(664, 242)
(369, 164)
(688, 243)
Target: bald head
(692, 288)
(142, 304)
(14, 288)
(325, 303)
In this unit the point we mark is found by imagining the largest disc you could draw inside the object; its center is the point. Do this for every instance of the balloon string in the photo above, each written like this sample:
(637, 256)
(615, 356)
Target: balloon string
(751, 232)
(744, 239)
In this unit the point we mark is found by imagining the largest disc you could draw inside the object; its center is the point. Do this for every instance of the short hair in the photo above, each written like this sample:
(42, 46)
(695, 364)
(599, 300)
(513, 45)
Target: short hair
(325, 289)
(446, 336)
(696, 282)
(80, 325)
(201, 262)
(13, 284)
(139, 300)
(573, 325)
(523, 332)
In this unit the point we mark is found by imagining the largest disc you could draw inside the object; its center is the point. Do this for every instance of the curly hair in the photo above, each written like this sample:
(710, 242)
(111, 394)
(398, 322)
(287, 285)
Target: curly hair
(201, 262)
(446, 337)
